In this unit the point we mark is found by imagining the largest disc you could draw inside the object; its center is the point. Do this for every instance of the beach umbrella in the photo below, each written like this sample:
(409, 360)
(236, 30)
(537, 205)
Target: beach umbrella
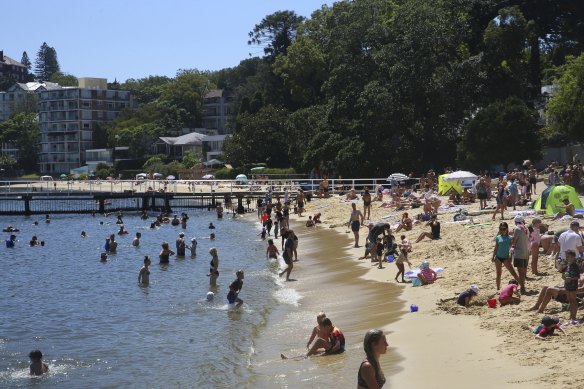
(170, 178)
(460, 175)
(91, 175)
(157, 175)
(241, 177)
(63, 176)
(208, 177)
(397, 177)
(255, 169)
(213, 162)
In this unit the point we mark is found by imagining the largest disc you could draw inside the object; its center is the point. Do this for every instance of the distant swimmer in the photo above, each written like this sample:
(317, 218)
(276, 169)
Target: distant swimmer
(212, 236)
(211, 226)
(47, 218)
(144, 275)
(210, 296)
(37, 366)
(113, 245)
(34, 241)
(83, 234)
(175, 221)
(144, 215)
(10, 241)
(36, 223)
(165, 253)
(235, 288)
(136, 241)
(103, 257)
(122, 231)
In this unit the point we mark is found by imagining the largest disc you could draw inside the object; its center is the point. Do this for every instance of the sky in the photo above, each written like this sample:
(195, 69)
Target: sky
(121, 39)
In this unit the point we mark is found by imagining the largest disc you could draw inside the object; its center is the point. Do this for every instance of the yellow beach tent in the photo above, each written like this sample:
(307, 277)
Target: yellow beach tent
(553, 196)
(445, 186)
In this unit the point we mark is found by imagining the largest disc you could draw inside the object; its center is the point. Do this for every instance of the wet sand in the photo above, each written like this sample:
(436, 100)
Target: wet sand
(329, 280)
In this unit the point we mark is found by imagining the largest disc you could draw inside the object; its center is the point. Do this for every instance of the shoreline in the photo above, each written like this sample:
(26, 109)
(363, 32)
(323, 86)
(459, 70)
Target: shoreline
(476, 344)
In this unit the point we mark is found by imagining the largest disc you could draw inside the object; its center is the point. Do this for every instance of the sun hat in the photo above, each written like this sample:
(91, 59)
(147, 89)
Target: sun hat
(474, 288)
(424, 265)
(519, 219)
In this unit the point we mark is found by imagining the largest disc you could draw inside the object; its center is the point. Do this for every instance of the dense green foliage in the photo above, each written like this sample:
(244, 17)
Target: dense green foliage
(21, 130)
(367, 87)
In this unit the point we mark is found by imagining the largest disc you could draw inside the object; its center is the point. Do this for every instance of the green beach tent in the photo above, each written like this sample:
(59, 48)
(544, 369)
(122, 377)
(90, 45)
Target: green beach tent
(444, 187)
(553, 196)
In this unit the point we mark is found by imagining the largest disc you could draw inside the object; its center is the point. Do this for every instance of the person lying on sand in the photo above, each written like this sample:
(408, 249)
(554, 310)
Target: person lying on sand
(547, 327)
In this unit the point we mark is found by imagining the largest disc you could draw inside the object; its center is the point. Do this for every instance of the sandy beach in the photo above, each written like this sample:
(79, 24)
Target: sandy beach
(444, 344)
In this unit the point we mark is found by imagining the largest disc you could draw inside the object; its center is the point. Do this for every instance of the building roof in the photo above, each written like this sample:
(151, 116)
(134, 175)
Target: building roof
(34, 86)
(194, 138)
(214, 93)
(9, 61)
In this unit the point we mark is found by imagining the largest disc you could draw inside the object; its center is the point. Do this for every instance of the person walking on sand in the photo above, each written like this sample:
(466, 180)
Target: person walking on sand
(288, 254)
(500, 198)
(355, 222)
(213, 267)
(366, 204)
(501, 253)
(235, 288)
(534, 241)
(370, 375)
(144, 275)
(520, 250)
(571, 277)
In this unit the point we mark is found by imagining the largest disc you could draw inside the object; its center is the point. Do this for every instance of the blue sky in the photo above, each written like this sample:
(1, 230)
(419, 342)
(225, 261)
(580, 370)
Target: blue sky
(133, 39)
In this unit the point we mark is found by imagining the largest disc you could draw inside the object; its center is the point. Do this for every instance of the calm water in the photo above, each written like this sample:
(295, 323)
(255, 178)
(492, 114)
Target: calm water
(98, 328)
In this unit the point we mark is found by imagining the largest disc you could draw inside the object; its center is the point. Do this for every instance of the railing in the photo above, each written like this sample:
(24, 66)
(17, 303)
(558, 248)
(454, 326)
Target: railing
(72, 187)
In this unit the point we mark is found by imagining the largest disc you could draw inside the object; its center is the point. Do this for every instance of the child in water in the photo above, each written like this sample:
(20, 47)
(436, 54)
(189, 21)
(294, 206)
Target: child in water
(318, 331)
(272, 250)
(37, 366)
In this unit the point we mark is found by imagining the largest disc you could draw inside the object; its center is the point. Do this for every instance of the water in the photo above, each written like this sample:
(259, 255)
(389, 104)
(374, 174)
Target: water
(98, 328)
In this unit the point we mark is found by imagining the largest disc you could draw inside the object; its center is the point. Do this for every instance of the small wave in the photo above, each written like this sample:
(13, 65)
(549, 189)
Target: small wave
(288, 296)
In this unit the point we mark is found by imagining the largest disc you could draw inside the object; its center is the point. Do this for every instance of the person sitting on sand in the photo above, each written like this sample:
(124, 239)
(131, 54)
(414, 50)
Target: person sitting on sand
(557, 293)
(427, 275)
(310, 222)
(510, 294)
(351, 195)
(333, 344)
(549, 324)
(405, 224)
(37, 366)
(465, 297)
(316, 218)
(318, 331)
(434, 233)
(570, 209)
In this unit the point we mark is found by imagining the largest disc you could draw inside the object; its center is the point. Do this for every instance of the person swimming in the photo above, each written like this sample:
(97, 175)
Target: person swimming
(37, 366)
(211, 226)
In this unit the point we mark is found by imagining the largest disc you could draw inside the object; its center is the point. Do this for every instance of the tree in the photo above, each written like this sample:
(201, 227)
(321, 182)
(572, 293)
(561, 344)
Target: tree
(275, 33)
(26, 61)
(190, 159)
(64, 79)
(46, 63)
(260, 137)
(22, 131)
(186, 93)
(566, 107)
(501, 133)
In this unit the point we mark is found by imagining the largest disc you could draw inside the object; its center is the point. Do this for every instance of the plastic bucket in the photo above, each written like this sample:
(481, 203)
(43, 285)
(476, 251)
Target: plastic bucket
(390, 258)
(492, 303)
(413, 308)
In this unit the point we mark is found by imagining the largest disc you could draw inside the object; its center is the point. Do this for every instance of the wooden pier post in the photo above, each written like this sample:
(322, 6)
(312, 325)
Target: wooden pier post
(26, 199)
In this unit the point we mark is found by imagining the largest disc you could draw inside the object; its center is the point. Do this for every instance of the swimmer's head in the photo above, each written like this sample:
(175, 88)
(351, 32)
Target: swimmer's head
(146, 260)
(35, 355)
(212, 236)
(164, 245)
(320, 317)
(213, 251)
(36, 223)
(138, 235)
(239, 273)
(101, 223)
(210, 296)
(103, 257)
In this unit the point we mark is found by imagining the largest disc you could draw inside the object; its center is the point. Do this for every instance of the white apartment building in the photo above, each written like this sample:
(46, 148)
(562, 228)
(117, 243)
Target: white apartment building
(71, 119)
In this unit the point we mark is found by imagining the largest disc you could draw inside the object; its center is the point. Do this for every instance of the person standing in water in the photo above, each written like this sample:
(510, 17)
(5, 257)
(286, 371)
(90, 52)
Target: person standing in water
(288, 255)
(180, 245)
(136, 241)
(193, 247)
(370, 375)
(235, 288)
(213, 267)
(144, 275)
(113, 245)
(165, 253)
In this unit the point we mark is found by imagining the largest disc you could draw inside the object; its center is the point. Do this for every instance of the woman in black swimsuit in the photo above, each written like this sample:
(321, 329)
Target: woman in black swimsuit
(370, 375)
(144, 275)
(165, 253)
(213, 267)
(367, 204)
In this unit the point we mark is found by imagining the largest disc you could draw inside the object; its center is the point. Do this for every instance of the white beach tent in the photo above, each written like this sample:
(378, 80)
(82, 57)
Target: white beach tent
(460, 175)
(141, 176)
(241, 178)
(397, 177)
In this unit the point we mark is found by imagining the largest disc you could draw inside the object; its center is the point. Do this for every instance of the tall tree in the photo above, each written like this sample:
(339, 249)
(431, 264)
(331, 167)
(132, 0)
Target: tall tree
(64, 79)
(46, 63)
(26, 61)
(22, 131)
(275, 33)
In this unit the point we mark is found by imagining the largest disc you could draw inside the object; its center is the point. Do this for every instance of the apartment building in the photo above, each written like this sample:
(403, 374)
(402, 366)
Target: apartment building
(22, 97)
(71, 121)
(217, 108)
(11, 68)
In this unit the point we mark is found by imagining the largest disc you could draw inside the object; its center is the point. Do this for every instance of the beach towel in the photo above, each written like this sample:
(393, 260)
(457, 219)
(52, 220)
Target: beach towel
(414, 273)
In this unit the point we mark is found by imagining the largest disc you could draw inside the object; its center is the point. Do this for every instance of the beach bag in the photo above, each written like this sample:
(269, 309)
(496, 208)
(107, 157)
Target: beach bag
(416, 282)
